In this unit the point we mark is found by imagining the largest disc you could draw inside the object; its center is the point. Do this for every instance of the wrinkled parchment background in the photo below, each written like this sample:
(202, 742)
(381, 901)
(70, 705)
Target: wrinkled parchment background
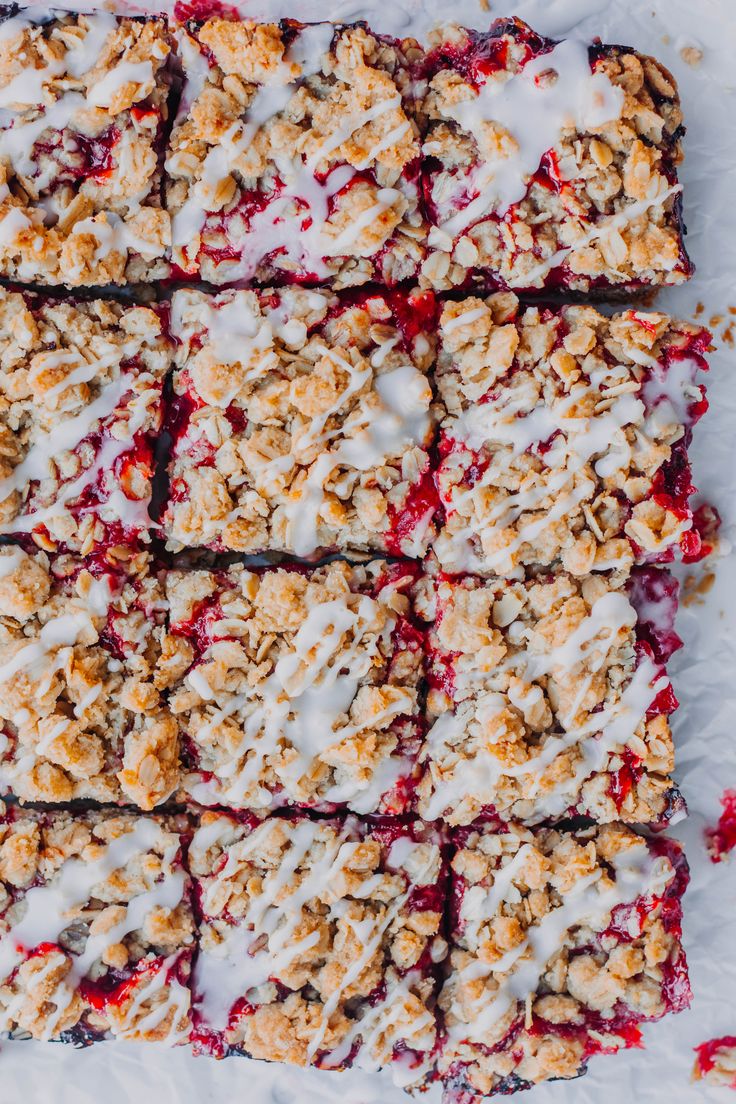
(704, 673)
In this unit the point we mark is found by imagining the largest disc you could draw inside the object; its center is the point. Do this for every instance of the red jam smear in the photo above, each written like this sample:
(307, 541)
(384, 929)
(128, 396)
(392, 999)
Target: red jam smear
(708, 1052)
(722, 839)
(625, 778)
(200, 10)
(421, 504)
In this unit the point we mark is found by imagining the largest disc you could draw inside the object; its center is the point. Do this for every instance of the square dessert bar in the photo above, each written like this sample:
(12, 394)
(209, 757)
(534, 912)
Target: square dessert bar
(84, 103)
(96, 927)
(550, 164)
(295, 156)
(551, 699)
(566, 436)
(302, 421)
(81, 715)
(319, 941)
(563, 943)
(81, 387)
(295, 686)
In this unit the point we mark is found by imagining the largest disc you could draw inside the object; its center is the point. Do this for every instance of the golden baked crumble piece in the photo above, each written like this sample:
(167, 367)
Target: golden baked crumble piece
(563, 944)
(81, 388)
(566, 436)
(295, 155)
(296, 686)
(96, 927)
(81, 711)
(550, 164)
(84, 103)
(319, 941)
(302, 420)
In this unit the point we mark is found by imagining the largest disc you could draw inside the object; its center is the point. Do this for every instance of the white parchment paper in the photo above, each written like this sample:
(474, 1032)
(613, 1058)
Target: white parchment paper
(704, 673)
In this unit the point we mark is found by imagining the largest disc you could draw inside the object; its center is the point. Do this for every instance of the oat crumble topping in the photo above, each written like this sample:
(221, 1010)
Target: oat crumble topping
(81, 670)
(96, 927)
(84, 99)
(80, 407)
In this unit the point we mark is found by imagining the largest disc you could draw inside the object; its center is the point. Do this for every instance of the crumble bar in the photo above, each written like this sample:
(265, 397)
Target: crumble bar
(319, 941)
(550, 164)
(563, 943)
(96, 927)
(81, 715)
(84, 103)
(551, 699)
(295, 156)
(302, 421)
(297, 686)
(566, 436)
(81, 388)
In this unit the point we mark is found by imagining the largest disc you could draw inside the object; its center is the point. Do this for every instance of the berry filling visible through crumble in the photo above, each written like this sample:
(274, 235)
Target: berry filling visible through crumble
(319, 941)
(297, 687)
(80, 405)
(81, 668)
(550, 164)
(295, 155)
(302, 421)
(550, 699)
(566, 436)
(562, 944)
(84, 103)
(96, 928)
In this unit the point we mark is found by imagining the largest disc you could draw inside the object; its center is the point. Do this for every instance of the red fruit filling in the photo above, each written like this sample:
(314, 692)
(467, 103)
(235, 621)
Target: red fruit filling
(204, 9)
(419, 508)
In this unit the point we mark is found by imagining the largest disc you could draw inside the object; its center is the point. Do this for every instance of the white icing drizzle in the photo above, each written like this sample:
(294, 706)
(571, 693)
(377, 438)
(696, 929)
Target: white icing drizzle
(103, 92)
(262, 945)
(296, 221)
(516, 974)
(60, 634)
(47, 912)
(364, 438)
(304, 705)
(598, 441)
(535, 112)
(67, 435)
(456, 775)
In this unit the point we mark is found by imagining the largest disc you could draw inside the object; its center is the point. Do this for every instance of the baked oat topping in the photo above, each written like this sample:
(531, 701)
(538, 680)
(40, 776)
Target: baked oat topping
(84, 101)
(566, 436)
(80, 406)
(563, 943)
(296, 687)
(96, 927)
(549, 164)
(81, 714)
(319, 942)
(295, 155)
(551, 699)
(302, 421)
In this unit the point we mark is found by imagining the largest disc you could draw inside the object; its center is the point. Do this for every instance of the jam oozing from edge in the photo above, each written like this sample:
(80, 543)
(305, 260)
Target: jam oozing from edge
(421, 505)
(721, 840)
